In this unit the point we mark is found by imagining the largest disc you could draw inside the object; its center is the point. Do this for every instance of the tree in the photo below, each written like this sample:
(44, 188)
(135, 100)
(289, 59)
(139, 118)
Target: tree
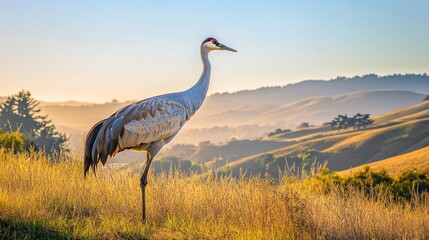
(278, 131)
(358, 121)
(361, 121)
(304, 125)
(20, 112)
(8, 116)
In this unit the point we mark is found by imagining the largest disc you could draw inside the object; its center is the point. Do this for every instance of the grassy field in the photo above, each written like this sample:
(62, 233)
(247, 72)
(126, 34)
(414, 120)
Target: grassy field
(46, 200)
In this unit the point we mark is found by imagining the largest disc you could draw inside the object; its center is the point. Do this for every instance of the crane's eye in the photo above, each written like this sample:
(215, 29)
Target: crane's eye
(214, 42)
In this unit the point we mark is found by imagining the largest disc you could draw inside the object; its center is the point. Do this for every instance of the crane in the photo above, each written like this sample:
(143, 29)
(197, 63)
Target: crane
(149, 124)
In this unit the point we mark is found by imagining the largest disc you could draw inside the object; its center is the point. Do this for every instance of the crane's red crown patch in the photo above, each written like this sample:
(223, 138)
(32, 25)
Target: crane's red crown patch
(210, 39)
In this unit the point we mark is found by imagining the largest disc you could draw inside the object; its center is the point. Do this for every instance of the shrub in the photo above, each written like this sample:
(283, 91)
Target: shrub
(12, 141)
(411, 182)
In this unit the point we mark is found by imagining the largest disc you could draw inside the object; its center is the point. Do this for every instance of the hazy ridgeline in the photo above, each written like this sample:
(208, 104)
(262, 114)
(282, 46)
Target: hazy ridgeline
(39, 199)
(249, 114)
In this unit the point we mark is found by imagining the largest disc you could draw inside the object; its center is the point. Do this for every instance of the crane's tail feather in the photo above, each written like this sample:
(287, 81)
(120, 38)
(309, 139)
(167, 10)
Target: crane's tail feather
(89, 161)
(106, 139)
(100, 144)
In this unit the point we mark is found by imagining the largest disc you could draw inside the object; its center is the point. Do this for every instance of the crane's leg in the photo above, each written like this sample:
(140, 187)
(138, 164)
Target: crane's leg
(150, 155)
(143, 183)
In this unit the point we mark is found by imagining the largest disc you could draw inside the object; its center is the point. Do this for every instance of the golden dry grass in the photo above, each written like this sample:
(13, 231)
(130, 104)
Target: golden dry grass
(56, 198)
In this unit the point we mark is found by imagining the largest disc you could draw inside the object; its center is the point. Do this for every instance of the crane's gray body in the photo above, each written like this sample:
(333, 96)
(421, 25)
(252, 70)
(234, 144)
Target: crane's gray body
(146, 125)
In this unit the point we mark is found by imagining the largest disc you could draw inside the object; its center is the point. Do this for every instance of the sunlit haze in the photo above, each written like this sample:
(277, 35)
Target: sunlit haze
(103, 50)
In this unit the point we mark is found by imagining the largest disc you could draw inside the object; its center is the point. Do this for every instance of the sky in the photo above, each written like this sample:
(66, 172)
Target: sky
(129, 50)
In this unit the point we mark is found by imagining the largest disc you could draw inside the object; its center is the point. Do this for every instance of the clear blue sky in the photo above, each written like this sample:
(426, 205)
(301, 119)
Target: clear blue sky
(100, 50)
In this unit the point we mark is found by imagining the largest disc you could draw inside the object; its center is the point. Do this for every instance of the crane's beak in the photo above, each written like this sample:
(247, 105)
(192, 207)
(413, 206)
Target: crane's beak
(223, 47)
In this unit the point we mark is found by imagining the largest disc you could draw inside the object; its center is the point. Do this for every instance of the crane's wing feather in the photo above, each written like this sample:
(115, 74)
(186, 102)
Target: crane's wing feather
(151, 121)
(135, 126)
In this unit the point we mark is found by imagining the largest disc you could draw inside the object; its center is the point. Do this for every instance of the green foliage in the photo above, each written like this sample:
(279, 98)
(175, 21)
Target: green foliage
(411, 182)
(224, 170)
(307, 157)
(403, 187)
(267, 158)
(324, 180)
(13, 141)
(368, 179)
(20, 112)
(173, 164)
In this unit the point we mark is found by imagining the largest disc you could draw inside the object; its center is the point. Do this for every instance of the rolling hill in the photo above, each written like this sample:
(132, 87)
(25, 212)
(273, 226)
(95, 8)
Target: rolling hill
(396, 137)
(313, 101)
(415, 160)
(250, 113)
(218, 103)
(245, 121)
(313, 109)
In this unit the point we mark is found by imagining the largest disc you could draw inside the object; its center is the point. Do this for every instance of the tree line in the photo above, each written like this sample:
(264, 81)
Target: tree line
(22, 127)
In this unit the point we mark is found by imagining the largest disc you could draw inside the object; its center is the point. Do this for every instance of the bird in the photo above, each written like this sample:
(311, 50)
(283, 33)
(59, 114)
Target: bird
(149, 124)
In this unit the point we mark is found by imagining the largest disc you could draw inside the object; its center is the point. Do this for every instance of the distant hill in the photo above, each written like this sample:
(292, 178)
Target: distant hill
(397, 136)
(249, 113)
(81, 117)
(281, 103)
(312, 88)
(70, 103)
(247, 121)
(417, 111)
(315, 110)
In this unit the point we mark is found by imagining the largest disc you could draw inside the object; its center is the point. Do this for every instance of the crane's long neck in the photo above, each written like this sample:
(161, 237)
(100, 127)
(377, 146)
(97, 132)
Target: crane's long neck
(195, 95)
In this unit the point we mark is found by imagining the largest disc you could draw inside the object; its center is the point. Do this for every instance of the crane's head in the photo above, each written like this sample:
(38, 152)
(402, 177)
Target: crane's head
(212, 44)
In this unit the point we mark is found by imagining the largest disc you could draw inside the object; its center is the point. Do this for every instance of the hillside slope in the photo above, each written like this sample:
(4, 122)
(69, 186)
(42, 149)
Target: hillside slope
(416, 111)
(418, 159)
(399, 133)
(310, 88)
(313, 109)
(314, 98)
(249, 113)
(245, 121)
